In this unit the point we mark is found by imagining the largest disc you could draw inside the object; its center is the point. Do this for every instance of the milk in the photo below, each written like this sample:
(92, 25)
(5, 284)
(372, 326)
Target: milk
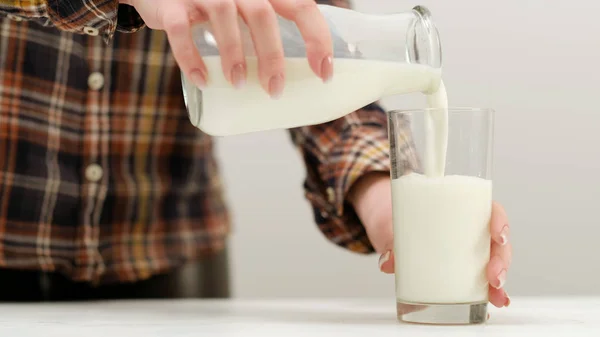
(441, 238)
(441, 224)
(436, 132)
(306, 100)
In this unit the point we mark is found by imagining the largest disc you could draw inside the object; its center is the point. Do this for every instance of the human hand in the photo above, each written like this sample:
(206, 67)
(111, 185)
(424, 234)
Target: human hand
(176, 18)
(372, 201)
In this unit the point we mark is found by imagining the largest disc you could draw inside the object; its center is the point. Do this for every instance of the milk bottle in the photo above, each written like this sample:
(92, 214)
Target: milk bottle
(374, 56)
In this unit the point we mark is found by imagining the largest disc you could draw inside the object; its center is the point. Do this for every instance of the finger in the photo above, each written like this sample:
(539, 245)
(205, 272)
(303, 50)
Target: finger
(499, 227)
(386, 262)
(177, 26)
(503, 252)
(223, 15)
(264, 29)
(498, 297)
(314, 30)
(496, 272)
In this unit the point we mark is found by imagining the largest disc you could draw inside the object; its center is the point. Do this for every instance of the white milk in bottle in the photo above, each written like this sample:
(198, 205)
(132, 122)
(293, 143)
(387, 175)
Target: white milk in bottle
(442, 239)
(306, 99)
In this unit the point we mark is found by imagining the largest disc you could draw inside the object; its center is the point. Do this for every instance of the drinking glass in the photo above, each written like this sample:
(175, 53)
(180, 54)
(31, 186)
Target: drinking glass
(441, 223)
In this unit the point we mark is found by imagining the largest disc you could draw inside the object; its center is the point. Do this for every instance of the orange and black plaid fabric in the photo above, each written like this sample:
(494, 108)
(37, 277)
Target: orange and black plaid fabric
(102, 176)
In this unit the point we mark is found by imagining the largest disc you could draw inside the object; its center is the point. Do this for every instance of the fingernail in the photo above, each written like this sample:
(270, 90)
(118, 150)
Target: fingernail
(384, 258)
(238, 75)
(327, 69)
(501, 279)
(504, 235)
(198, 79)
(507, 300)
(276, 86)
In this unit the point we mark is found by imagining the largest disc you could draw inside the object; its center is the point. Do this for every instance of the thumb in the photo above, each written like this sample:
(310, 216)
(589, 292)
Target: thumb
(372, 200)
(386, 262)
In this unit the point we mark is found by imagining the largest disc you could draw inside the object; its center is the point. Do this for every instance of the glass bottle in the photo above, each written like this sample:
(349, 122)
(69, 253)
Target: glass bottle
(374, 56)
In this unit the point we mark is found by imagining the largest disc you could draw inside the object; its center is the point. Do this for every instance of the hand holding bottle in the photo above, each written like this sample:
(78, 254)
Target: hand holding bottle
(176, 18)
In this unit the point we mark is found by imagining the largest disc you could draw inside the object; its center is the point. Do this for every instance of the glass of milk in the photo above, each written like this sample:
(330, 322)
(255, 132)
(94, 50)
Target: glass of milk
(441, 217)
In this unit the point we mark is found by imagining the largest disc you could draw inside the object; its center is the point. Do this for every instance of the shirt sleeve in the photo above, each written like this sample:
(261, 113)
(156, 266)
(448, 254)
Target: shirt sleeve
(336, 155)
(92, 17)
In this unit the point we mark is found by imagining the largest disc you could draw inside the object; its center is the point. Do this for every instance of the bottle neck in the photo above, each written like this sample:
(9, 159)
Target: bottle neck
(406, 37)
(423, 45)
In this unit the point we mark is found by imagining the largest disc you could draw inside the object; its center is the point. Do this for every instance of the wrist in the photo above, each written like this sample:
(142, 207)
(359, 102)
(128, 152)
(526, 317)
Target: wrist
(371, 198)
(367, 188)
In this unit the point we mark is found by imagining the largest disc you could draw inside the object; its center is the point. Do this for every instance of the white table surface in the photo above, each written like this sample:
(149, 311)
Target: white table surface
(568, 317)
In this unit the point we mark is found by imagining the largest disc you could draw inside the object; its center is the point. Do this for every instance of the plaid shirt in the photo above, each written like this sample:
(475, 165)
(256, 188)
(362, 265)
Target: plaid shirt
(102, 176)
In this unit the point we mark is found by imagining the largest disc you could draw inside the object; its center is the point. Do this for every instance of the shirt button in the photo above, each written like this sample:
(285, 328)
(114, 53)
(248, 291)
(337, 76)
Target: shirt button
(90, 31)
(14, 17)
(96, 81)
(93, 173)
(331, 194)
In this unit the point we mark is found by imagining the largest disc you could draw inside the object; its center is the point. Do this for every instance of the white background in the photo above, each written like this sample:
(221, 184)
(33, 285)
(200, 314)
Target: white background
(537, 62)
